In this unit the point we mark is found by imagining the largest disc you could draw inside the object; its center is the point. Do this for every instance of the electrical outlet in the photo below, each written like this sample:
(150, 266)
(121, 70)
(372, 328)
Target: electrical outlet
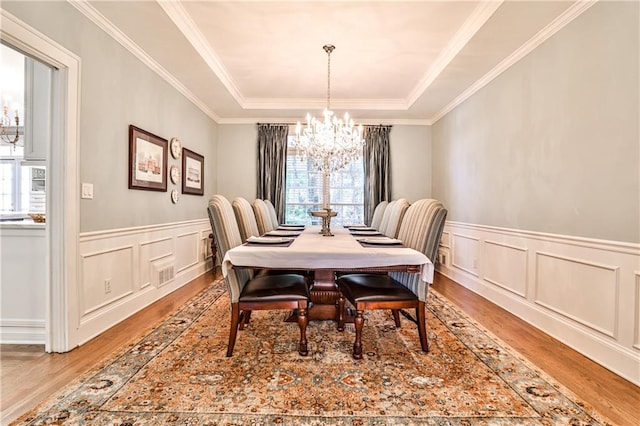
(107, 286)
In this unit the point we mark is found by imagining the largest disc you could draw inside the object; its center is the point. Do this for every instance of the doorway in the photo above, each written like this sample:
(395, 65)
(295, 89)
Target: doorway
(62, 208)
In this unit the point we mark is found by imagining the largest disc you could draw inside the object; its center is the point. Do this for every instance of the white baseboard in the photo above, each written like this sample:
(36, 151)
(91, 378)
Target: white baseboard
(583, 292)
(20, 331)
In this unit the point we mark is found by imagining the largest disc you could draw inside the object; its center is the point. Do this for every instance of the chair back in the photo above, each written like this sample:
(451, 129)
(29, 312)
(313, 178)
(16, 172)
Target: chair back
(421, 230)
(227, 236)
(246, 218)
(262, 216)
(272, 213)
(378, 213)
(396, 213)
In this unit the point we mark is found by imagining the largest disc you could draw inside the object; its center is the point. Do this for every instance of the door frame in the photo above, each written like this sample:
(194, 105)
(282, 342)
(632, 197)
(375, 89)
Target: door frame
(62, 195)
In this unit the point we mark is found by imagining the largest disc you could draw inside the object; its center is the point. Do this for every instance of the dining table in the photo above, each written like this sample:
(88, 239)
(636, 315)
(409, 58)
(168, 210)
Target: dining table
(348, 250)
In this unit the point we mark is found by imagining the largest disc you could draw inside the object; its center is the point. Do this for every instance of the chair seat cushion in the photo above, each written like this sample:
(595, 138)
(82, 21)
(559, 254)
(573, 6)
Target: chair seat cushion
(275, 288)
(372, 288)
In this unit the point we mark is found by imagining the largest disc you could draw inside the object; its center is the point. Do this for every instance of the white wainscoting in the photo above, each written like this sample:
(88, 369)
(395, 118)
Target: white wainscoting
(23, 283)
(122, 271)
(584, 292)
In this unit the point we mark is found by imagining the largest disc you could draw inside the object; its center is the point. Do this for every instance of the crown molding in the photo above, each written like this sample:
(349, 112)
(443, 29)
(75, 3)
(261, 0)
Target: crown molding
(471, 26)
(320, 104)
(294, 120)
(188, 27)
(575, 10)
(103, 23)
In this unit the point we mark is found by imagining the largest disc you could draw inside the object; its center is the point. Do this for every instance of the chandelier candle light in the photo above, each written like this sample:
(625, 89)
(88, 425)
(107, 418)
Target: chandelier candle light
(330, 143)
(5, 124)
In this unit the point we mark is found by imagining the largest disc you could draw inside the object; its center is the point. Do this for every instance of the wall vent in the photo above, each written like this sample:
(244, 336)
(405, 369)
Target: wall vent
(162, 271)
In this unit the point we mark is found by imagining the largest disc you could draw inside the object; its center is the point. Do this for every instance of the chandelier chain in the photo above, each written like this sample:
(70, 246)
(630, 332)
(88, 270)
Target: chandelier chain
(329, 78)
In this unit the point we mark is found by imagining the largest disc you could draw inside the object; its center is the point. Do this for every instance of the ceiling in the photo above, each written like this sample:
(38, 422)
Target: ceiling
(395, 62)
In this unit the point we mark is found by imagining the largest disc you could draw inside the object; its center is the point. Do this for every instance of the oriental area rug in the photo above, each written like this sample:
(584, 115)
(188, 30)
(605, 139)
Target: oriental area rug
(178, 375)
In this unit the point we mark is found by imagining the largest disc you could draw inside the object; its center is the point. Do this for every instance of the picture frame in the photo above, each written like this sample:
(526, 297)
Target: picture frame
(192, 172)
(147, 160)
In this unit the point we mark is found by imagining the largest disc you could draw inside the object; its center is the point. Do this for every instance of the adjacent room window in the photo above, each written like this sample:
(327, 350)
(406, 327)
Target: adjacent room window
(24, 88)
(304, 191)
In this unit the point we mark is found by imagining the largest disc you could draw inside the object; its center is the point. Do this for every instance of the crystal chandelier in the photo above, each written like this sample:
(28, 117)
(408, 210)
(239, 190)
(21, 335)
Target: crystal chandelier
(330, 143)
(5, 124)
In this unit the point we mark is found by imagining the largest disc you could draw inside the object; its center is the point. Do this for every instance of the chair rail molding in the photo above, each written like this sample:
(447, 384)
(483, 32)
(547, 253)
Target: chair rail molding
(582, 291)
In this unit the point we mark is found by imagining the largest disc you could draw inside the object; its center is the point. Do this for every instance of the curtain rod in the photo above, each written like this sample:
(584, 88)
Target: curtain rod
(303, 124)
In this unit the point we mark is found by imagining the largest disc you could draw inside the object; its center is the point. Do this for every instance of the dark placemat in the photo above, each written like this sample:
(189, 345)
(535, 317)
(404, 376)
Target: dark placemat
(363, 244)
(283, 244)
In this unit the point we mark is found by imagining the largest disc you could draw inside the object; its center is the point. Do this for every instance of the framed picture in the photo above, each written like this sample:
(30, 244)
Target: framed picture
(147, 160)
(192, 172)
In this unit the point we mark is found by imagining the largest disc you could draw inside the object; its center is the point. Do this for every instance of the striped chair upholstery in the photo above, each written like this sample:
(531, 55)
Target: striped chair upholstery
(386, 215)
(421, 230)
(394, 218)
(246, 218)
(272, 214)
(264, 292)
(262, 216)
(378, 213)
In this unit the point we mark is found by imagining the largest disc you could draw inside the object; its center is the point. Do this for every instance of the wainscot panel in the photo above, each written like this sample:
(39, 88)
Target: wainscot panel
(584, 292)
(506, 266)
(125, 270)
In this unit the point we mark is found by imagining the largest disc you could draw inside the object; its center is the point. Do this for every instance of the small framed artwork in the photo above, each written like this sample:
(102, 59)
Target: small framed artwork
(147, 160)
(192, 172)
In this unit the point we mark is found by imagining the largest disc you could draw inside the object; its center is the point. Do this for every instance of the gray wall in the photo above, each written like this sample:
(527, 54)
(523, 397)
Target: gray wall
(410, 157)
(551, 145)
(117, 90)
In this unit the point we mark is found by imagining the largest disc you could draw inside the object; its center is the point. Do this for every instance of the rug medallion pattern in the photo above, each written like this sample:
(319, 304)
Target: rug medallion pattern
(178, 374)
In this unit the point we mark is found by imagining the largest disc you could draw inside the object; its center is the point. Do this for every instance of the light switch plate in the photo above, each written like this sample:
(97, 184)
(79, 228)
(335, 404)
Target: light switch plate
(87, 191)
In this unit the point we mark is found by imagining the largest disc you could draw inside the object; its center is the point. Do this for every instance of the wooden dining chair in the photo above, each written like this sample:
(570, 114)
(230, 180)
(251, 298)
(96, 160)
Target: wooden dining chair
(378, 213)
(264, 292)
(246, 218)
(421, 230)
(393, 213)
(263, 217)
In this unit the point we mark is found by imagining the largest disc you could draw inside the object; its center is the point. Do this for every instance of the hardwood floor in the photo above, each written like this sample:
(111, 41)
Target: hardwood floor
(29, 375)
(614, 397)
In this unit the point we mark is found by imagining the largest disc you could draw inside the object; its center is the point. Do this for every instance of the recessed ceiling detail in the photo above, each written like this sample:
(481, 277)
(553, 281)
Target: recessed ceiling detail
(399, 62)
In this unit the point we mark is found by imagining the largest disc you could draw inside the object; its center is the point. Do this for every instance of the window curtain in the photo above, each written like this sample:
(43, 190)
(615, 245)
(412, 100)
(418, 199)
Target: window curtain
(272, 160)
(377, 182)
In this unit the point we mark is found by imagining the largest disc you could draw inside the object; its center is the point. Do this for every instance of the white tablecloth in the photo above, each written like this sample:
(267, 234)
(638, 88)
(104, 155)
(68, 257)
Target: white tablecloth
(313, 251)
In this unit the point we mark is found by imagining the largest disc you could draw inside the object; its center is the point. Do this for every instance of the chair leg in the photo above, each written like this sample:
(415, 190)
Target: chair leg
(246, 317)
(357, 345)
(396, 317)
(303, 320)
(341, 303)
(233, 329)
(422, 326)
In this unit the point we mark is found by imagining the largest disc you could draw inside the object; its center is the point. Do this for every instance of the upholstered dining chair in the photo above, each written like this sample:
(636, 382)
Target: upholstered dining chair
(272, 213)
(263, 292)
(262, 216)
(394, 213)
(378, 213)
(248, 227)
(246, 218)
(386, 215)
(421, 230)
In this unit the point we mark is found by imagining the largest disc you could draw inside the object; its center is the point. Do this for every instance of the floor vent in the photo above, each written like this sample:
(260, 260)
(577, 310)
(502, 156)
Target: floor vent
(163, 271)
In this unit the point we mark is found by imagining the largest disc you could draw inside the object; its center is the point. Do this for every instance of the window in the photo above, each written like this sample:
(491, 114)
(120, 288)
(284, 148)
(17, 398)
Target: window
(304, 191)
